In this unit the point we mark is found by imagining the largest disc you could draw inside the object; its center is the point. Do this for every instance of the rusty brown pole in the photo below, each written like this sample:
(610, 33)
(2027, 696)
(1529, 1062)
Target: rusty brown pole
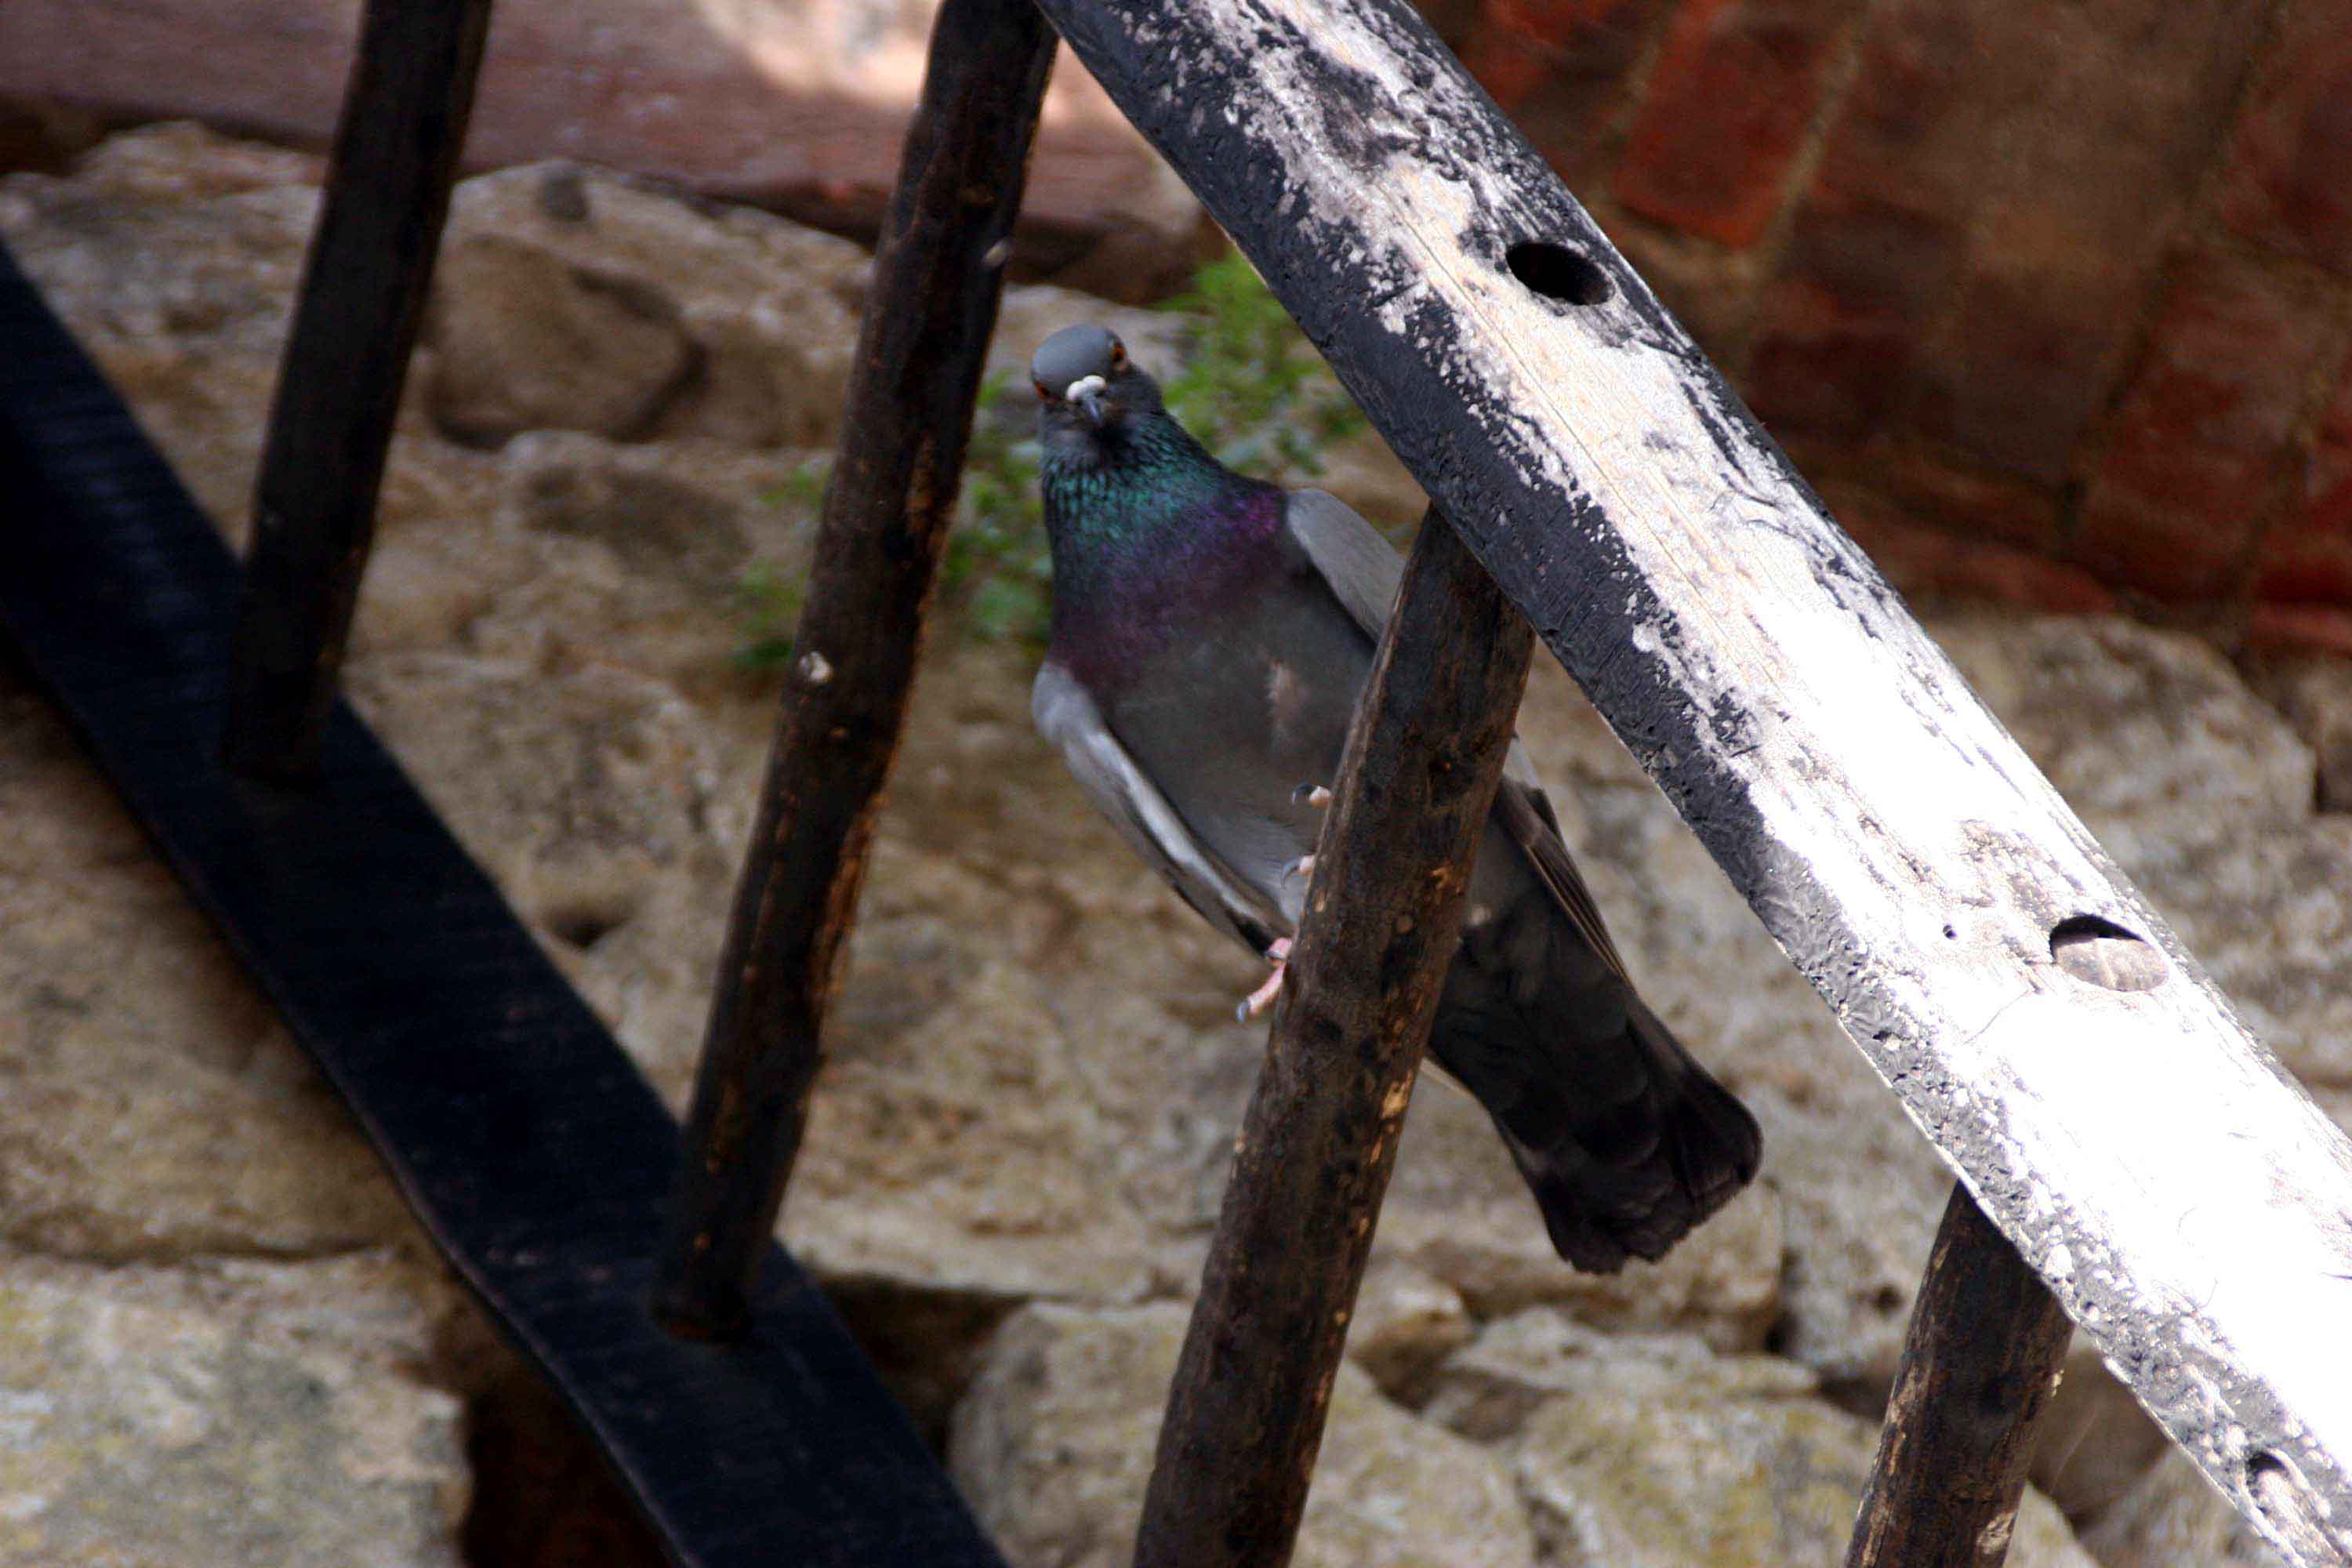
(355, 322)
(1246, 1410)
(1979, 1363)
(937, 275)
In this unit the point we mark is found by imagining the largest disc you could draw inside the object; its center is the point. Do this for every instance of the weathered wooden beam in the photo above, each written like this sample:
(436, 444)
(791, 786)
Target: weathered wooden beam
(1383, 915)
(1979, 1365)
(355, 322)
(937, 275)
(2184, 1201)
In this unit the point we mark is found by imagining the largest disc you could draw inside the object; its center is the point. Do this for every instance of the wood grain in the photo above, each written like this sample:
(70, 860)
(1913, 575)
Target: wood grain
(2189, 1205)
(932, 306)
(355, 324)
(1979, 1365)
(1384, 918)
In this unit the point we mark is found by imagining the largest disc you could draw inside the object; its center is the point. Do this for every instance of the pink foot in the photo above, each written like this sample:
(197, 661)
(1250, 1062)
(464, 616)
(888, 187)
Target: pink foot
(1259, 999)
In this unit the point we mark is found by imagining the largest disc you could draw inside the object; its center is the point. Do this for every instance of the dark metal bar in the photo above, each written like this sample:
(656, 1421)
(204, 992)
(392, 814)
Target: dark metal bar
(525, 1142)
(937, 280)
(1978, 1367)
(355, 322)
(1246, 1414)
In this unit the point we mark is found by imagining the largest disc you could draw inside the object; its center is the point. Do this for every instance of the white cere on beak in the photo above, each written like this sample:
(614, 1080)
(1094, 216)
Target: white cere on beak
(1084, 386)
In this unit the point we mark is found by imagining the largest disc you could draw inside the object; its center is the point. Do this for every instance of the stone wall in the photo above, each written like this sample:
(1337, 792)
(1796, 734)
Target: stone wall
(798, 105)
(2055, 303)
(223, 1342)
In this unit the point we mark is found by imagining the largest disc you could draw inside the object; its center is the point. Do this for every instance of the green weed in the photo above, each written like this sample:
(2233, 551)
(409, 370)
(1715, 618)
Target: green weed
(768, 602)
(1252, 390)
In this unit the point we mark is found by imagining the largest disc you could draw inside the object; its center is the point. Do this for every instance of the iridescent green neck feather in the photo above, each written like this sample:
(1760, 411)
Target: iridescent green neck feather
(1150, 536)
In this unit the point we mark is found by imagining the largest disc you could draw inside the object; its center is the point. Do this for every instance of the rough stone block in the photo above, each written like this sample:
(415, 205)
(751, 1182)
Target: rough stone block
(1487, 1390)
(2316, 694)
(1053, 1445)
(2174, 1518)
(1763, 1474)
(151, 1107)
(1405, 1322)
(216, 1420)
(523, 341)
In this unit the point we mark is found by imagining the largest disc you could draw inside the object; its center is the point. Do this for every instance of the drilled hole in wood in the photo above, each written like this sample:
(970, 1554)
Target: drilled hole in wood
(2285, 1500)
(2100, 953)
(1555, 272)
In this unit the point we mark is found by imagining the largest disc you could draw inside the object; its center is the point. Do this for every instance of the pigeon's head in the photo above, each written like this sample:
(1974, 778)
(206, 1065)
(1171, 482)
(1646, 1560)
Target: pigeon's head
(1087, 389)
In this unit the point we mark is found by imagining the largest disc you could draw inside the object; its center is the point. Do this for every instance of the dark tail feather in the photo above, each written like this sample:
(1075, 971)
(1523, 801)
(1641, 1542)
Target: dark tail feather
(1634, 1180)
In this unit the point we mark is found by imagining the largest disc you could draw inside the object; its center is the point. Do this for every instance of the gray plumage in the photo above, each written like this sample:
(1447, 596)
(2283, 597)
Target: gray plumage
(1211, 634)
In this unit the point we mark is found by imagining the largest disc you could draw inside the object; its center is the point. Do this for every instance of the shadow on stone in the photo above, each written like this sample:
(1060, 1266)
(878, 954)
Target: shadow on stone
(542, 1497)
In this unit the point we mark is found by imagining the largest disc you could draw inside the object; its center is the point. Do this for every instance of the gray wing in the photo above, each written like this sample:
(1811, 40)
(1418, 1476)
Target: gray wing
(1364, 570)
(1364, 573)
(1522, 810)
(1066, 715)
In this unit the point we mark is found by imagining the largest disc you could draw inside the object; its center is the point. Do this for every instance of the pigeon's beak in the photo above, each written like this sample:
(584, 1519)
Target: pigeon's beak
(1087, 394)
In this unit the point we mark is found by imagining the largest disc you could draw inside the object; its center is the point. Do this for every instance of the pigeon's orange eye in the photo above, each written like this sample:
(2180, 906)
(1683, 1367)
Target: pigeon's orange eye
(1118, 355)
(1045, 392)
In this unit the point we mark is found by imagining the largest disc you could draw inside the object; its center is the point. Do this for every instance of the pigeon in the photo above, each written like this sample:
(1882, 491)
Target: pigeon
(1210, 634)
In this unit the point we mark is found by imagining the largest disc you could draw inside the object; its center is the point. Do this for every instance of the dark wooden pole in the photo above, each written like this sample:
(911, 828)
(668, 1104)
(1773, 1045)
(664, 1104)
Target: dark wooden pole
(1978, 1367)
(1245, 1412)
(937, 279)
(362, 302)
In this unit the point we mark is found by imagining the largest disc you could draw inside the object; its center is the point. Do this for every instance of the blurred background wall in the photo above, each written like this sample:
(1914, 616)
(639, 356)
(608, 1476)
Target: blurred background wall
(2053, 300)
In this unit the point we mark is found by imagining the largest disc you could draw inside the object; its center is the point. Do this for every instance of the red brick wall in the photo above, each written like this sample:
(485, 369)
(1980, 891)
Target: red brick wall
(2053, 301)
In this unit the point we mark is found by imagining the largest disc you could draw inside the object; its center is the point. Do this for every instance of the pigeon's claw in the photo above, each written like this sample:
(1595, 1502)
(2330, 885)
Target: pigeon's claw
(1302, 867)
(1258, 1001)
(1315, 796)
